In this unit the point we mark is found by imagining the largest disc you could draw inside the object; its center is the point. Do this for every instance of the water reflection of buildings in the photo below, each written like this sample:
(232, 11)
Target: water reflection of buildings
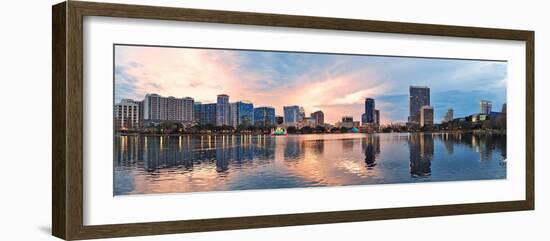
(237, 151)
(485, 144)
(293, 150)
(421, 150)
(449, 145)
(371, 148)
(164, 152)
(317, 147)
(186, 152)
(421, 147)
(347, 144)
(210, 160)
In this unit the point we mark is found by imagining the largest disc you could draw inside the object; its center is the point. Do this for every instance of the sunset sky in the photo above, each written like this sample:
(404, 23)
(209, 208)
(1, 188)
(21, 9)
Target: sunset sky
(335, 84)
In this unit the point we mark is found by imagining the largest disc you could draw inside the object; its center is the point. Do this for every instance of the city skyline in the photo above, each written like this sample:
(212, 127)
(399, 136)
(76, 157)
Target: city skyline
(129, 113)
(334, 84)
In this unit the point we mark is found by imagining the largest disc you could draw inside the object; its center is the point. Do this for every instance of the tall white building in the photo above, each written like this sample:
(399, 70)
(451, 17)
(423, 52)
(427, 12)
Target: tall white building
(426, 116)
(152, 107)
(485, 107)
(127, 114)
(158, 108)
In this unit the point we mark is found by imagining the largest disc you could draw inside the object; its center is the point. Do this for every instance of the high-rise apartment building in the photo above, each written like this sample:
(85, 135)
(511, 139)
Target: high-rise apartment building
(158, 108)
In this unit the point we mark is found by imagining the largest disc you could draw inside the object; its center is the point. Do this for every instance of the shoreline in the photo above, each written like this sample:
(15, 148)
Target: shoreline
(498, 132)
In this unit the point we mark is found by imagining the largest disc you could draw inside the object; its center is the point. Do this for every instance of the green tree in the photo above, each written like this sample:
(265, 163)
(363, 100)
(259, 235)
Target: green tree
(306, 130)
(320, 129)
(291, 130)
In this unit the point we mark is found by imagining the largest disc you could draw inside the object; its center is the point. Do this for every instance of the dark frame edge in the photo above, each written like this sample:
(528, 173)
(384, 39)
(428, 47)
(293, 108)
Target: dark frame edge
(59, 175)
(74, 122)
(294, 21)
(530, 120)
(285, 220)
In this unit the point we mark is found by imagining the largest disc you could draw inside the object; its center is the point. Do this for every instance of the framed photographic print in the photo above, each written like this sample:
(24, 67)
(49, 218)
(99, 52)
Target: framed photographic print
(210, 120)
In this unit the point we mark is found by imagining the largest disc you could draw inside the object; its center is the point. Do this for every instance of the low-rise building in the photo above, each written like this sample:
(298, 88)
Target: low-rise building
(127, 114)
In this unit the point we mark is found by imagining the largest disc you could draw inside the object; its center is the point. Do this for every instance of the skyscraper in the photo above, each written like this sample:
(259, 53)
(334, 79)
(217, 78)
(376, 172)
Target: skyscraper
(426, 116)
(291, 114)
(449, 115)
(319, 117)
(485, 107)
(222, 110)
(369, 110)
(264, 116)
(418, 96)
(377, 117)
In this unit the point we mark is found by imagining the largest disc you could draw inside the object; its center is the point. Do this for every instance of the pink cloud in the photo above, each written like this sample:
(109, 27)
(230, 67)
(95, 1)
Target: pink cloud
(203, 74)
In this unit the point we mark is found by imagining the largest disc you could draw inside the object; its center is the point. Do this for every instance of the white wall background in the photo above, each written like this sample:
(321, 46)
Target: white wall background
(25, 122)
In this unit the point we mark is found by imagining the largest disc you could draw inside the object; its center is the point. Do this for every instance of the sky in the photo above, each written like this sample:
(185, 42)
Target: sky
(336, 84)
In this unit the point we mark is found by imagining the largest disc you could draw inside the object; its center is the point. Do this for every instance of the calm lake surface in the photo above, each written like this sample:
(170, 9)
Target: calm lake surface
(164, 164)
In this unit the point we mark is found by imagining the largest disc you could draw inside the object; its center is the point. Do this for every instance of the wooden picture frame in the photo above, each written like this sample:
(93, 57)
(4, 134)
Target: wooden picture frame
(67, 139)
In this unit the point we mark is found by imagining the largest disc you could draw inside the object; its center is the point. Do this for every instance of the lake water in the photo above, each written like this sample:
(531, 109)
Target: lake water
(166, 164)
